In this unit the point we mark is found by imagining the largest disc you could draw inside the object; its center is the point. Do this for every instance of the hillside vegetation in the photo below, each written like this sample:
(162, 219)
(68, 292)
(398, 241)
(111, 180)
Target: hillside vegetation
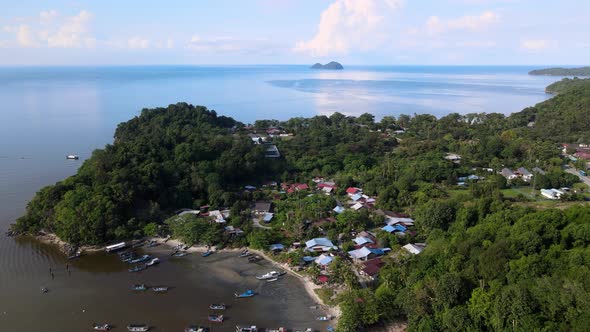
(582, 71)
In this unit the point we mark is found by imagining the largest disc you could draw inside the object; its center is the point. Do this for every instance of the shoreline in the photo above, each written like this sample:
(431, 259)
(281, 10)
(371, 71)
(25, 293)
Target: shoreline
(308, 285)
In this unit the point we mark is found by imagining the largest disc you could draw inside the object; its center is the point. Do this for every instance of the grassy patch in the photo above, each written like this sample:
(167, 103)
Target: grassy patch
(326, 295)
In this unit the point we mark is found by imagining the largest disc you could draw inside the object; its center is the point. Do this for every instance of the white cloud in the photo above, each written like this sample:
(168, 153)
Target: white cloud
(535, 44)
(138, 43)
(227, 44)
(348, 25)
(435, 25)
(51, 29)
(25, 36)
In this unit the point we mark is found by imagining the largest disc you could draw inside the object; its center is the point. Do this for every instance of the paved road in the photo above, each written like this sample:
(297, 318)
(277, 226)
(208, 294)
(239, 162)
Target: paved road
(584, 179)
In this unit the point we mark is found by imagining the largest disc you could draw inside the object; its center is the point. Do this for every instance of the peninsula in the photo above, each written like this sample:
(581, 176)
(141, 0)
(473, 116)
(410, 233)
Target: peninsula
(439, 222)
(333, 65)
(567, 84)
(581, 71)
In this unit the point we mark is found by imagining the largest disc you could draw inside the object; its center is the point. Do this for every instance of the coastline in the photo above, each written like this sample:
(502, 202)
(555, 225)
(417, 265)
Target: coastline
(308, 285)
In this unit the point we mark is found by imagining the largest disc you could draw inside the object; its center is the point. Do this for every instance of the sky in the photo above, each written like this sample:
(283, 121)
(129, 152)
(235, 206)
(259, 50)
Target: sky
(362, 32)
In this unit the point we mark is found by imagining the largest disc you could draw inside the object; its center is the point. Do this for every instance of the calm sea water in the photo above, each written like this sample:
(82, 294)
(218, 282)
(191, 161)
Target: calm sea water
(47, 113)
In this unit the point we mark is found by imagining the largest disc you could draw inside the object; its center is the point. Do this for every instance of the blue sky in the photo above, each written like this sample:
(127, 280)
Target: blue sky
(388, 32)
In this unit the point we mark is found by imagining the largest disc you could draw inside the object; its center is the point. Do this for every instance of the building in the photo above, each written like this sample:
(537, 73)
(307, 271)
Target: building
(508, 174)
(261, 207)
(414, 248)
(362, 240)
(372, 267)
(320, 244)
(524, 174)
(552, 193)
(324, 260)
(272, 151)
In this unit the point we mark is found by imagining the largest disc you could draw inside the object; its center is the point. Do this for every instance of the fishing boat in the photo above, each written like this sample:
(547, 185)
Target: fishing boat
(254, 259)
(128, 259)
(280, 329)
(248, 293)
(77, 254)
(160, 289)
(207, 253)
(195, 329)
(179, 254)
(153, 243)
(215, 318)
(140, 259)
(137, 327)
(72, 157)
(153, 262)
(115, 247)
(246, 328)
(44, 290)
(269, 275)
(330, 329)
(101, 327)
(217, 306)
(139, 287)
(323, 318)
(245, 253)
(138, 268)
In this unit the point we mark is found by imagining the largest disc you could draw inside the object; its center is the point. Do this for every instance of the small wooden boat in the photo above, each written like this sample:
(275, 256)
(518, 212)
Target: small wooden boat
(139, 287)
(138, 268)
(193, 328)
(217, 306)
(323, 318)
(72, 157)
(269, 275)
(246, 328)
(140, 259)
(160, 289)
(254, 259)
(138, 328)
(153, 243)
(215, 318)
(179, 254)
(248, 293)
(44, 290)
(245, 253)
(77, 254)
(153, 262)
(101, 327)
(207, 253)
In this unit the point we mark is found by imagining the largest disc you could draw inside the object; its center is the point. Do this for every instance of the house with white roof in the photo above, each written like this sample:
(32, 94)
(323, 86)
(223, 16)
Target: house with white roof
(552, 193)
(414, 248)
(362, 240)
(320, 244)
(323, 260)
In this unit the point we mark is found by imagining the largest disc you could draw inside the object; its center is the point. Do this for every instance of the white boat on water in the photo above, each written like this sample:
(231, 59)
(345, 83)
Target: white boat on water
(72, 157)
(271, 280)
(246, 328)
(137, 328)
(115, 247)
(269, 275)
(154, 261)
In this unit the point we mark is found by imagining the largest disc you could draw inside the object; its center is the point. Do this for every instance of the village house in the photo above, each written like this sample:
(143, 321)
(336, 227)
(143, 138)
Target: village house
(319, 245)
(524, 174)
(372, 267)
(324, 260)
(262, 207)
(552, 193)
(508, 174)
(365, 253)
(414, 248)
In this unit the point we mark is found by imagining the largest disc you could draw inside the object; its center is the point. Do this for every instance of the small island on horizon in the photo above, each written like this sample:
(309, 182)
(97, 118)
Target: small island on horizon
(581, 71)
(332, 65)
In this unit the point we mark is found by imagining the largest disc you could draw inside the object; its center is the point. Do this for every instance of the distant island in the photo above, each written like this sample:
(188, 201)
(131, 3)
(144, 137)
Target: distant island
(582, 71)
(333, 65)
(567, 84)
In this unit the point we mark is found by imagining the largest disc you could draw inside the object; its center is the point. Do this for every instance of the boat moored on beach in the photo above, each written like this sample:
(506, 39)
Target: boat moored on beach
(217, 306)
(140, 259)
(215, 318)
(179, 254)
(245, 253)
(324, 318)
(280, 329)
(138, 328)
(270, 275)
(115, 247)
(195, 329)
(207, 253)
(248, 293)
(101, 327)
(252, 328)
(138, 268)
(254, 259)
(139, 287)
(153, 262)
(160, 289)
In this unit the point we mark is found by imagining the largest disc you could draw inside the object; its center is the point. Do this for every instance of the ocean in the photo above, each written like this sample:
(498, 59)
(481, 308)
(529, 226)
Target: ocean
(50, 112)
